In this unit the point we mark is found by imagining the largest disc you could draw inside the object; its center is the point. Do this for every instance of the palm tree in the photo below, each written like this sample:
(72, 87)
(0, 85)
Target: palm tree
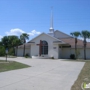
(75, 35)
(85, 34)
(23, 38)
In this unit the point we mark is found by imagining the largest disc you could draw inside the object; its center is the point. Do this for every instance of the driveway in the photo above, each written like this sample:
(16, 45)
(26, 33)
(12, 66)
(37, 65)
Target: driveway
(45, 74)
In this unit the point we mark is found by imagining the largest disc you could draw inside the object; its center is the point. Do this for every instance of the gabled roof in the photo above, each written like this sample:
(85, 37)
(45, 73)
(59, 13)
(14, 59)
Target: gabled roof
(63, 33)
(27, 45)
(47, 35)
(71, 41)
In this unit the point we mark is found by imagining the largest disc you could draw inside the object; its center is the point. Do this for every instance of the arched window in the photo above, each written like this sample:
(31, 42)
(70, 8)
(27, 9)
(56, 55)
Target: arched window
(44, 47)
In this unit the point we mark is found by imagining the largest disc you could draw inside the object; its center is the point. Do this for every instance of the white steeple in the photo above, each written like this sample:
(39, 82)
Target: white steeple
(51, 30)
(51, 23)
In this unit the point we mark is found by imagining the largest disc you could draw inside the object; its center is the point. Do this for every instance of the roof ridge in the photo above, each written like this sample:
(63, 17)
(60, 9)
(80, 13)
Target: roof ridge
(62, 32)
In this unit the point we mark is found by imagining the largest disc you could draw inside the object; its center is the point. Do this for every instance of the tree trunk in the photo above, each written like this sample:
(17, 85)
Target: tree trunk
(13, 50)
(76, 48)
(16, 50)
(85, 49)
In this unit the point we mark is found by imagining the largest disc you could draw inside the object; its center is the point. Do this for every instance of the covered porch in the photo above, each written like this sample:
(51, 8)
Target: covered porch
(64, 50)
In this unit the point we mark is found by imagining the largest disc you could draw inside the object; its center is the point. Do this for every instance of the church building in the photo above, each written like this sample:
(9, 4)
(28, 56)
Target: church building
(55, 44)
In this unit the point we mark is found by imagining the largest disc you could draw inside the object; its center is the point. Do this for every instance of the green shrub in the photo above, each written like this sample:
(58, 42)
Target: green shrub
(52, 57)
(72, 56)
(27, 55)
(2, 51)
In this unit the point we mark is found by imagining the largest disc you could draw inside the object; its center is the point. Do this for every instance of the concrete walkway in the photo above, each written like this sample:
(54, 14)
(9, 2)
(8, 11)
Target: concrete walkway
(45, 74)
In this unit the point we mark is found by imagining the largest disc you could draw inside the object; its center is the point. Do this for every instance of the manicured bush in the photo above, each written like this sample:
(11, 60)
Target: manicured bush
(72, 56)
(27, 55)
(52, 57)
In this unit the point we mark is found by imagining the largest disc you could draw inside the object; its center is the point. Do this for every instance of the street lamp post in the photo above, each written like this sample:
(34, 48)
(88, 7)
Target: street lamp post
(6, 54)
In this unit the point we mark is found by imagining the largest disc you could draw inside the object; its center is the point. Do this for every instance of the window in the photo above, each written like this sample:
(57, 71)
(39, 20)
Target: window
(44, 47)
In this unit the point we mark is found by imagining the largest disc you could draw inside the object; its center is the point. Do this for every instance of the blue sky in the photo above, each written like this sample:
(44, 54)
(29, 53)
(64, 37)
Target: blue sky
(33, 16)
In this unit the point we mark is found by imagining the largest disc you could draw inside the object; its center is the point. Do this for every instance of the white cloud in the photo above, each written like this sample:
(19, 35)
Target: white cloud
(34, 32)
(15, 31)
(18, 31)
(0, 37)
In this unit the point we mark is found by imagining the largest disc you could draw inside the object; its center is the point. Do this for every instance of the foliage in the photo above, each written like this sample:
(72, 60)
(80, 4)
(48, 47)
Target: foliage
(72, 56)
(85, 34)
(14, 41)
(76, 35)
(1, 43)
(11, 52)
(27, 55)
(5, 41)
(10, 42)
(2, 51)
(52, 57)
(23, 38)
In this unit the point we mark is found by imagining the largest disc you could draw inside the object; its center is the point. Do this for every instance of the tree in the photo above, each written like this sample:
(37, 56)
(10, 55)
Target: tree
(85, 34)
(2, 50)
(1, 43)
(12, 42)
(23, 38)
(5, 41)
(75, 35)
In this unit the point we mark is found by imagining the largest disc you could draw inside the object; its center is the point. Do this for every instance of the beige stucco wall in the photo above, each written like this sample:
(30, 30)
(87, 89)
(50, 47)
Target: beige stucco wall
(51, 50)
(20, 51)
(60, 53)
(66, 52)
(82, 53)
(88, 53)
(27, 51)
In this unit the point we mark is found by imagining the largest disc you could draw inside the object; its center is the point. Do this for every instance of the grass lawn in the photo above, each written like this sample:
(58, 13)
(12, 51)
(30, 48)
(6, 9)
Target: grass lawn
(11, 65)
(85, 73)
